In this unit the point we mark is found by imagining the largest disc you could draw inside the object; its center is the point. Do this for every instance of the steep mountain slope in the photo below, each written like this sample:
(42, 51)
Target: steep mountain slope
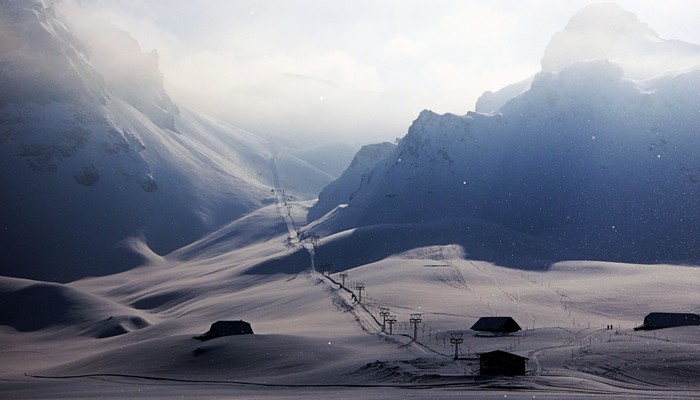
(92, 151)
(598, 165)
(342, 189)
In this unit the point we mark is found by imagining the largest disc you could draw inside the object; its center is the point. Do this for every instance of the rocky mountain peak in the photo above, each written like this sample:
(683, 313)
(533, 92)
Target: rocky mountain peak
(605, 31)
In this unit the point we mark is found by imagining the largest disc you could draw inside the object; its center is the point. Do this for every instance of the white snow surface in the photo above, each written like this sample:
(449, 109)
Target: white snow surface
(132, 334)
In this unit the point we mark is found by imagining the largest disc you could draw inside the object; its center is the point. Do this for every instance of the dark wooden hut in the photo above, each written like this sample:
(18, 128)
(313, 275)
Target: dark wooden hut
(659, 320)
(226, 328)
(496, 325)
(502, 363)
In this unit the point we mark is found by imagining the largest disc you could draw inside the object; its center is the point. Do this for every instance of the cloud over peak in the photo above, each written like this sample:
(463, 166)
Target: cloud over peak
(606, 31)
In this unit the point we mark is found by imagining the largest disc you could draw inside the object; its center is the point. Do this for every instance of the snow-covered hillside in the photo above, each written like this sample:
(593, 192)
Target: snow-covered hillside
(93, 151)
(342, 189)
(595, 164)
(133, 334)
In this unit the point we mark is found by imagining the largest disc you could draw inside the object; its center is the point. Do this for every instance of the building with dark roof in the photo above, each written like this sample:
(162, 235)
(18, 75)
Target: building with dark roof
(502, 363)
(496, 325)
(659, 320)
(226, 328)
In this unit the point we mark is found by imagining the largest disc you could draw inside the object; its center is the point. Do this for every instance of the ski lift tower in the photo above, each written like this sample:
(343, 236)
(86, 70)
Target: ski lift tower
(415, 320)
(456, 339)
(343, 275)
(391, 320)
(359, 287)
(383, 312)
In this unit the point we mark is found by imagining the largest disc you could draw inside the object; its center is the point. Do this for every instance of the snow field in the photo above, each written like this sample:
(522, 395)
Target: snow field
(309, 331)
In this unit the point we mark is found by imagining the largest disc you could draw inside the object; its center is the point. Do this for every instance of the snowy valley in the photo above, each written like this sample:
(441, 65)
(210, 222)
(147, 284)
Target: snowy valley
(568, 201)
(95, 144)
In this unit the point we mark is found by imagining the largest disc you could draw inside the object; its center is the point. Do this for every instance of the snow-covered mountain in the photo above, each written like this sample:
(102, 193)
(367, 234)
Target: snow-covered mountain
(358, 172)
(604, 31)
(93, 151)
(586, 163)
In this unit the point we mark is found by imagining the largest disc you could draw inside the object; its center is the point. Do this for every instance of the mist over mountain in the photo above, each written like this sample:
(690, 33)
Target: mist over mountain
(332, 158)
(93, 151)
(358, 172)
(583, 158)
(604, 31)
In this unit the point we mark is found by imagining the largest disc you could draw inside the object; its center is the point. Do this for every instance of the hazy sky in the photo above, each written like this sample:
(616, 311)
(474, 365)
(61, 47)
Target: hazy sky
(359, 70)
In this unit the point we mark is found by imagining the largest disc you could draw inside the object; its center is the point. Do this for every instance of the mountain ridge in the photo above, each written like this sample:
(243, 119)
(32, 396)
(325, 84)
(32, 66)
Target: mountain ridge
(93, 151)
(597, 164)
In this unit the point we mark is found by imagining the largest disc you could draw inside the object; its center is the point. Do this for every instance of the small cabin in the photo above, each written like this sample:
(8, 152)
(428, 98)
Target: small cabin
(227, 328)
(660, 320)
(502, 363)
(499, 325)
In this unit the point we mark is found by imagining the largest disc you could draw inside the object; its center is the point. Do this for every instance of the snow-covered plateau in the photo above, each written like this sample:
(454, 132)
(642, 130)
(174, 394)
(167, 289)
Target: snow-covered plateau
(569, 202)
